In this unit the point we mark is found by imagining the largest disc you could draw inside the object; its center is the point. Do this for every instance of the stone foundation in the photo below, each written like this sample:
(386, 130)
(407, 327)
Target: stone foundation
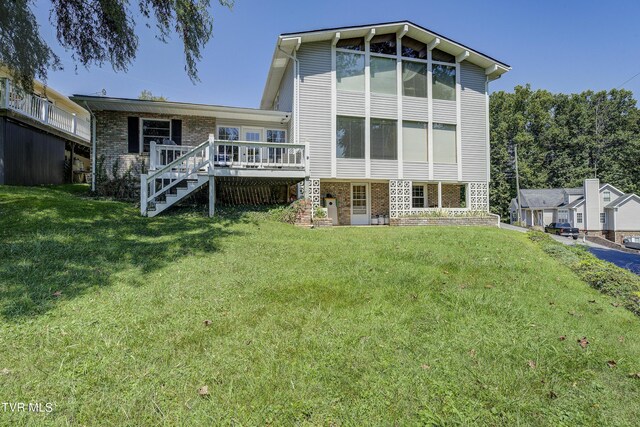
(488, 221)
(619, 236)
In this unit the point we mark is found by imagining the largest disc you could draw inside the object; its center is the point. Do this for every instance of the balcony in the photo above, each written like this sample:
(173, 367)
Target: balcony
(239, 158)
(42, 110)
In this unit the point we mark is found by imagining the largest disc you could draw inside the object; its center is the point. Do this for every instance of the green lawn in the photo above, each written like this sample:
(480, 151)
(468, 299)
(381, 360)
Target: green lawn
(343, 326)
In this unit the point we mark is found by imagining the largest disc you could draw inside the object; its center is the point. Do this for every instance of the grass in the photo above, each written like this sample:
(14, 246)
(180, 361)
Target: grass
(343, 326)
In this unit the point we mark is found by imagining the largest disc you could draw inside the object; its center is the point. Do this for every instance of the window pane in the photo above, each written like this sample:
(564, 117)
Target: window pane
(417, 196)
(383, 44)
(413, 49)
(444, 82)
(414, 79)
(350, 137)
(414, 141)
(276, 135)
(228, 133)
(383, 75)
(438, 55)
(351, 44)
(384, 140)
(444, 143)
(350, 71)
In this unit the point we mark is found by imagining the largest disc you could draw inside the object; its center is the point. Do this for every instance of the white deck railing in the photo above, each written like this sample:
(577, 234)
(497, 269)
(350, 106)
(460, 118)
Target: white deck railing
(42, 110)
(236, 154)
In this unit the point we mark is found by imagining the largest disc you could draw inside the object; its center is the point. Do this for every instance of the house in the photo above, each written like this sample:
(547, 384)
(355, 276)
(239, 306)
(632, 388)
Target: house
(599, 210)
(388, 119)
(44, 136)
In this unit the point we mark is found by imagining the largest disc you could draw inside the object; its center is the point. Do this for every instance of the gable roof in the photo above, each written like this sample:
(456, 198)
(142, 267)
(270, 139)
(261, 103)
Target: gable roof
(542, 197)
(287, 43)
(622, 199)
(610, 187)
(576, 203)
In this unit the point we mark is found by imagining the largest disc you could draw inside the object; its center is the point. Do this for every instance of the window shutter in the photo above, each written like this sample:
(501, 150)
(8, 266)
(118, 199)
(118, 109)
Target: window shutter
(134, 134)
(176, 131)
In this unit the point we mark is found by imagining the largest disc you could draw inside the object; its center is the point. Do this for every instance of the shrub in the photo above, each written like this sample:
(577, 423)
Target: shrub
(124, 186)
(319, 212)
(288, 213)
(601, 275)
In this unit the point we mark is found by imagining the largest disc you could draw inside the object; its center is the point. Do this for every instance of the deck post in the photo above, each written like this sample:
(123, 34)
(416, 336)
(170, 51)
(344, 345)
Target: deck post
(212, 195)
(143, 194)
(152, 156)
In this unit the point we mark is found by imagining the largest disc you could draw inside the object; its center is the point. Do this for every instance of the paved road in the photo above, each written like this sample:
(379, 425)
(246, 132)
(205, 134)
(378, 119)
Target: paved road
(621, 259)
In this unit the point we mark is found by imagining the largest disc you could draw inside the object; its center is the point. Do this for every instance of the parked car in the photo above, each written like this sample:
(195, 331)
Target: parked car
(632, 242)
(562, 229)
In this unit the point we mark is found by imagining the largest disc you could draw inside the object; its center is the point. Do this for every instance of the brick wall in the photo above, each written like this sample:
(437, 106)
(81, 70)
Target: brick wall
(379, 198)
(490, 221)
(618, 236)
(342, 192)
(451, 196)
(112, 138)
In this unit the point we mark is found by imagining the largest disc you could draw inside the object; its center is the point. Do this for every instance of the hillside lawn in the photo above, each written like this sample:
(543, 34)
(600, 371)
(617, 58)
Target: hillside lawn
(102, 313)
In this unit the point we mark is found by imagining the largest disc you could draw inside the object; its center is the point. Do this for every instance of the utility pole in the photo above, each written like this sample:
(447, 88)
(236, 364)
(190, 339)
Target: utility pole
(515, 152)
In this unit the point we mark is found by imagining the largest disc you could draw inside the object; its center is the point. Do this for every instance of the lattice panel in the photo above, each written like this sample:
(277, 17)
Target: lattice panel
(479, 196)
(312, 192)
(399, 198)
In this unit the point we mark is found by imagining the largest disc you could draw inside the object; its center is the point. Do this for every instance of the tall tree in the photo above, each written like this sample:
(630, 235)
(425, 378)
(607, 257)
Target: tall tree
(98, 32)
(147, 95)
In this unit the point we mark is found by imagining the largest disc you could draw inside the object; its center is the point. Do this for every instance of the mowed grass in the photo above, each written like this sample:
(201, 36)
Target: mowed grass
(343, 326)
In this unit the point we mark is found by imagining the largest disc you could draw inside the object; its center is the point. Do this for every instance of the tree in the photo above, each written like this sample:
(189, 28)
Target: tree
(146, 95)
(98, 32)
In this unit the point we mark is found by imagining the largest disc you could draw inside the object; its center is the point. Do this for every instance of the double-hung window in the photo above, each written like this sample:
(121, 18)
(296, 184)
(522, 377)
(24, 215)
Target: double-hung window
(579, 217)
(418, 199)
(154, 130)
(606, 196)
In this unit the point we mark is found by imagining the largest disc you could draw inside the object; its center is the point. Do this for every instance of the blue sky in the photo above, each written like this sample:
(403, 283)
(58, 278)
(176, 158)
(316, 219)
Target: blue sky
(562, 46)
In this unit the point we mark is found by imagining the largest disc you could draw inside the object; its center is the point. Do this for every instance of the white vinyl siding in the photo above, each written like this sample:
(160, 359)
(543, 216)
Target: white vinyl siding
(416, 109)
(285, 92)
(315, 105)
(444, 111)
(384, 106)
(350, 103)
(473, 115)
(350, 168)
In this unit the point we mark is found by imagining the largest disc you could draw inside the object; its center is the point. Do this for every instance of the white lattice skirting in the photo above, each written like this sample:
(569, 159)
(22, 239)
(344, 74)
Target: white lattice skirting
(312, 192)
(399, 198)
(479, 196)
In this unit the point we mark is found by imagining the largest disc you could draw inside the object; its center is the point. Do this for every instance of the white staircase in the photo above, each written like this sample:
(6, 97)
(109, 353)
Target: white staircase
(172, 182)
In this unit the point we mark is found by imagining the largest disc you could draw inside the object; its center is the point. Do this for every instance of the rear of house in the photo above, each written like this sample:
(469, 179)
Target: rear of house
(385, 120)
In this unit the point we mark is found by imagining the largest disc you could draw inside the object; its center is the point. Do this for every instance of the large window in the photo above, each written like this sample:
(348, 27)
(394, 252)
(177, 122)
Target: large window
(350, 137)
(228, 133)
(414, 79)
(276, 135)
(154, 130)
(444, 82)
(383, 75)
(414, 141)
(412, 48)
(350, 71)
(444, 143)
(384, 139)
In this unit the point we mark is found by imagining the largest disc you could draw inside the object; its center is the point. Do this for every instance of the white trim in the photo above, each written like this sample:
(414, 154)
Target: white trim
(486, 129)
(367, 107)
(140, 131)
(241, 130)
(399, 95)
(464, 55)
(430, 107)
(368, 197)
(459, 120)
(603, 186)
(336, 39)
(341, 49)
(334, 108)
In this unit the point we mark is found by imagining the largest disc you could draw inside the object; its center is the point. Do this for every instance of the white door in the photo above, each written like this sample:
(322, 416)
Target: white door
(253, 153)
(360, 204)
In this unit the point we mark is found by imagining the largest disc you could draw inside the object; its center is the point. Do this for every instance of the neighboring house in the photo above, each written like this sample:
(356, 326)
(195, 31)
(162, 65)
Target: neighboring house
(44, 136)
(389, 119)
(600, 210)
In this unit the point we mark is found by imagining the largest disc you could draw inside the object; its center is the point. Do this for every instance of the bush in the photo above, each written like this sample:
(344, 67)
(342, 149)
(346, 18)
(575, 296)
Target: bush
(124, 186)
(319, 212)
(288, 214)
(601, 275)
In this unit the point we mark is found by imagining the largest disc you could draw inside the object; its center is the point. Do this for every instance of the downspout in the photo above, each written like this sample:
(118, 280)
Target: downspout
(93, 147)
(296, 91)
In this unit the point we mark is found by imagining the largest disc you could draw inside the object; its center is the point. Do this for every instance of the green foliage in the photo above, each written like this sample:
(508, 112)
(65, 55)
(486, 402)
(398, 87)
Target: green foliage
(562, 139)
(99, 32)
(601, 275)
(444, 213)
(120, 186)
(319, 212)
(147, 95)
(288, 213)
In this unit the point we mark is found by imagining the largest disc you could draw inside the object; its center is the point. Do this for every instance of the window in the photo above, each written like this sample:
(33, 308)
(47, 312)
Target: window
(276, 135)
(417, 196)
(350, 71)
(441, 56)
(413, 48)
(414, 141)
(384, 139)
(414, 79)
(351, 44)
(606, 196)
(444, 82)
(579, 217)
(154, 130)
(383, 75)
(603, 218)
(385, 44)
(444, 143)
(350, 137)
(229, 133)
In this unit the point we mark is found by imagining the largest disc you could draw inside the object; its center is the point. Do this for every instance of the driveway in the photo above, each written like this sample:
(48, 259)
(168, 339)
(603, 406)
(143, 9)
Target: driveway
(622, 259)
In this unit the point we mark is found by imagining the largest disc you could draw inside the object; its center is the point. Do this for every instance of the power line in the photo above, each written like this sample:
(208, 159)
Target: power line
(627, 81)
